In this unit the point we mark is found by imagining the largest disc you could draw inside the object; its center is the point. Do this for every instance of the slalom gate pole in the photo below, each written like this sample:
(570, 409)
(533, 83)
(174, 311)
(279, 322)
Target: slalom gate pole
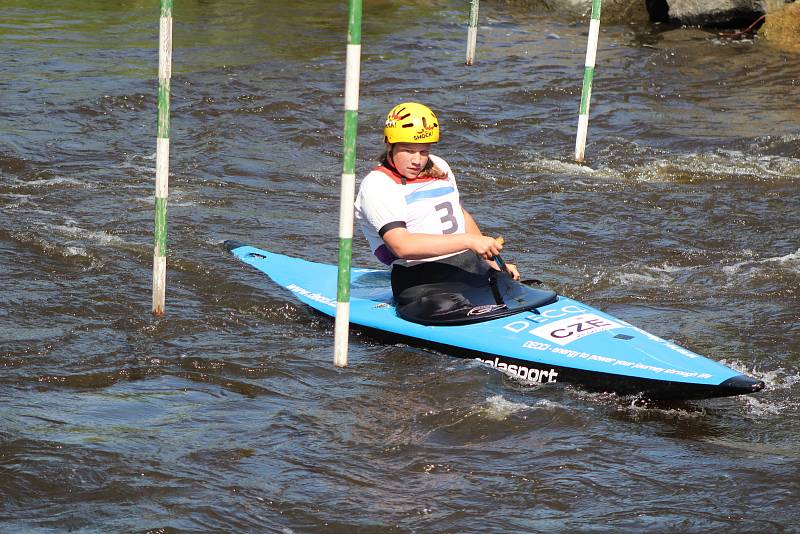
(472, 34)
(352, 74)
(162, 158)
(588, 74)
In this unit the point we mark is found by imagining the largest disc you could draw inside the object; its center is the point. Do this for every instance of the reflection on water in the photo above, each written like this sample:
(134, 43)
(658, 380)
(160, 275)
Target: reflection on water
(227, 414)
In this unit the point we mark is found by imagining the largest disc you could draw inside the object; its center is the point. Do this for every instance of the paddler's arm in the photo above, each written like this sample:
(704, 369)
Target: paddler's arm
(472, 228)
(470, 225)
(410, 246)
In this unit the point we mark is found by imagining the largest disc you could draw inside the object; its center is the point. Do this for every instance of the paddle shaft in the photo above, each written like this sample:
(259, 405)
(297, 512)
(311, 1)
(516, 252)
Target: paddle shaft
(499, 261)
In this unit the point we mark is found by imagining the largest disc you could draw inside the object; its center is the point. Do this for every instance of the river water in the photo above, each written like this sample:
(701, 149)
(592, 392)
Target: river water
(228, 415)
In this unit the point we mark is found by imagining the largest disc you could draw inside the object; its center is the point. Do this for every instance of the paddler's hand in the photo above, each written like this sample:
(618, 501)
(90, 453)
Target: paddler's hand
(484, 246)
(512, 270)
(501, 265)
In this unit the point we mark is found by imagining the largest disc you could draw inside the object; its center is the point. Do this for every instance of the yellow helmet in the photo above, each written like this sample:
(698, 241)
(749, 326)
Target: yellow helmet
(411, 123)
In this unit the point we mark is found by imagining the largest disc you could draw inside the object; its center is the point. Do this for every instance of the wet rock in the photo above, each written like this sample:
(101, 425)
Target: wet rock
(621, 11)
(613, 11)
(716, 13)
(782, 27)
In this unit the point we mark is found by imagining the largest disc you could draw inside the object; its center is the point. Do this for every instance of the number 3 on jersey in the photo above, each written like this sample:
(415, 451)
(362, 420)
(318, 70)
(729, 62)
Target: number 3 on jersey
(448, 219)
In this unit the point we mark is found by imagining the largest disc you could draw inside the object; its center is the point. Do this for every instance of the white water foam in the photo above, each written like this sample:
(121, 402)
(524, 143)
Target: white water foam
(75, 251)
(146, 169)
(175, 200)
(643, 279)
(499, 408)
(567, 167)
(664, 275)
(556, 166)
(17, 196)
(717, 166)
(760, 407)
(776, 379)
(750, 268)
(98, 236)
(720, 165)
(638, 410)
(635, 407)
(58, 180)
(16, 201)
(776, 397)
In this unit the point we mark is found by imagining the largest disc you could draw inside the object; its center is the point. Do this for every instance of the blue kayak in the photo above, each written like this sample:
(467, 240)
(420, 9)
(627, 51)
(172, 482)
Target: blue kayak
(563, 341)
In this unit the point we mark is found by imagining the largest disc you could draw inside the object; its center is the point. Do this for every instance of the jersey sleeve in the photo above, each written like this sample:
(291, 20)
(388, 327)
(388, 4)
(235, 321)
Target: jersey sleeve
(379, 203)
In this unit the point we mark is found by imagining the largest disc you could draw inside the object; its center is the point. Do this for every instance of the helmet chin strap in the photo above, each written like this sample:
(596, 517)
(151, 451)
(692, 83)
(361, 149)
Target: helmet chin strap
(390, 161)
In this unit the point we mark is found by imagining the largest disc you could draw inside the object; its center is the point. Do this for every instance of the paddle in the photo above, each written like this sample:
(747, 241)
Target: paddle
(498, 260)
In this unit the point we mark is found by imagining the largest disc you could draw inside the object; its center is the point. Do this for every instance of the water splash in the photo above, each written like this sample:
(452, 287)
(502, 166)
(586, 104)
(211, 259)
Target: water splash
(751, 267)
(499, 408)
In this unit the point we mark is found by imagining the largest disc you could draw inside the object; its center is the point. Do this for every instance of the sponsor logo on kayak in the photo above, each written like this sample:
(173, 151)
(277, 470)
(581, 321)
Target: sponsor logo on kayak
(482, 310)
(297, 290)
(566, 331)
(526, 373)
(586, 356)
(544, 317)
(624, 363)
(536, 345)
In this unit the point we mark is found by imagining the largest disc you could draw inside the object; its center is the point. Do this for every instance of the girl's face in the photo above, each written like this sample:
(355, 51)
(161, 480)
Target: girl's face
(409, 158)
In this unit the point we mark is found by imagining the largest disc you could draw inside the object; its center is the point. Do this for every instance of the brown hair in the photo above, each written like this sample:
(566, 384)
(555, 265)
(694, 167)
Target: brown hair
(429, 171)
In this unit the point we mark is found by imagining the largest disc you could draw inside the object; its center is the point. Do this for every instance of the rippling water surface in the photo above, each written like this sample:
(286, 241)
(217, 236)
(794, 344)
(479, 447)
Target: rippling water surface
(228, 415)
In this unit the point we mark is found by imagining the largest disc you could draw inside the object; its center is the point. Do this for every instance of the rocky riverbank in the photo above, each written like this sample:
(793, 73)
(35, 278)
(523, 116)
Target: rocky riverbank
(775, 21)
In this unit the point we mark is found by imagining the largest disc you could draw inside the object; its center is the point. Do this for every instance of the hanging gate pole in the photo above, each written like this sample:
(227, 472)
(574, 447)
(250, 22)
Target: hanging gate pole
(588, 74)
(162, 158)
(342, 326)
(472, 34)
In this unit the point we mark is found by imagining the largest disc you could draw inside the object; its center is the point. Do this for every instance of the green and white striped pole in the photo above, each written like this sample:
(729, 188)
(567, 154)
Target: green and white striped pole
(352, 73)
(472, 34)
(162, 158)
(588, 74)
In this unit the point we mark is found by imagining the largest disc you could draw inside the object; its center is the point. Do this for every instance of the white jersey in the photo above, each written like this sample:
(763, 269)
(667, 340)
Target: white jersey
(422, 206)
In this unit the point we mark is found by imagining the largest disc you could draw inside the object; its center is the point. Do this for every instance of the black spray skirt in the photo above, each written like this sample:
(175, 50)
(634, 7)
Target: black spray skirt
(461, 289)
